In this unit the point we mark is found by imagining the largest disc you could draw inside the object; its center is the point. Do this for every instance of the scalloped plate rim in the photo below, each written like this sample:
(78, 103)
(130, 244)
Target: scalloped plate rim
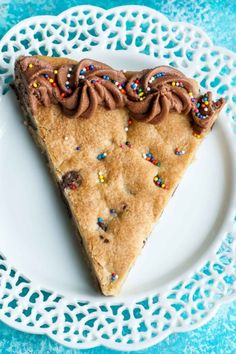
(165, 334)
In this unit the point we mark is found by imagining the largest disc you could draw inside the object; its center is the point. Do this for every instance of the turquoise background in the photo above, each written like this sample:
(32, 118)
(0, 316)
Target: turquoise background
(218, 18)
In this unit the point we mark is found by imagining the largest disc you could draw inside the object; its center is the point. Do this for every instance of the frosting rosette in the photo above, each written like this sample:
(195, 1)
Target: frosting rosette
(78, 88)
(152, 94)
(149, 95)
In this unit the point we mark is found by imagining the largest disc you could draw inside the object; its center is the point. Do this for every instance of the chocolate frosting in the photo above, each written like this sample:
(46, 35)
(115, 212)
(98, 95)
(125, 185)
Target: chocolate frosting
(152, 94)
(78, 88)
(149, 95)
(204, 112)
(158, 92)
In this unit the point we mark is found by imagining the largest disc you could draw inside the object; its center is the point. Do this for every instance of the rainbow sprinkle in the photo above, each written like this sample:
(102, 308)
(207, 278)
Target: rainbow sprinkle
(138, 90)
(102, 224)
(87, 68)
(196, 135)
(120, 85)
(177, 84)
(160, 182)
(102, 156)
(127, 143)
(51, 80)
(67, 83)
(156, 76)
(113, 212)
(101, 177)
(179, 152)
(114, 276)
(202, 105)
(149, 157)
(135, 85)
(180, 84)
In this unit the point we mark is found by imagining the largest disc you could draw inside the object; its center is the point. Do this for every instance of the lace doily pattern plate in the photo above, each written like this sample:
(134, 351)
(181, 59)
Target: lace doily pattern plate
(190, 302)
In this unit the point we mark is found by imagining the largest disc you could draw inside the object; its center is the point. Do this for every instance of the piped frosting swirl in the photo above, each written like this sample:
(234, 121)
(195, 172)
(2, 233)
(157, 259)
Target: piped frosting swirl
(149, 95)
(153, 94)
(78, 88)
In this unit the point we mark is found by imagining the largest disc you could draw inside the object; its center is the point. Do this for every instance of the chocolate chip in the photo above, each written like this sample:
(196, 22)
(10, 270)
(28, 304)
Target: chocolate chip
(102, 225)
(71, 179)
(124, 206)
(105, 240)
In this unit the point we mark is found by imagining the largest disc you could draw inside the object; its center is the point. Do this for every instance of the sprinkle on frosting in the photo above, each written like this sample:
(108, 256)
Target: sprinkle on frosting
(152, 94)
(130, 122)
(78, 88)
(205, 111)
(138, 90)
(201, 110)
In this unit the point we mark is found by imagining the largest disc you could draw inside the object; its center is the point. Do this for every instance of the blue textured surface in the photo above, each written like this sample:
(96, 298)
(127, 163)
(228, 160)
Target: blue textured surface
(217, 18)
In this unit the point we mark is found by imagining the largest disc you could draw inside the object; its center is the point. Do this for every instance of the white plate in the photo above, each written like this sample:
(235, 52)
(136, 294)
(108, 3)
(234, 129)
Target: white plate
(37, 239)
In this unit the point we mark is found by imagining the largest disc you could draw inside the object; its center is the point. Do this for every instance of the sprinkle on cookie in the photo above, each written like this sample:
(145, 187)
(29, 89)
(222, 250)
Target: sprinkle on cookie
(102, 224)
(179, 152)
(101, 177)
(101, 156)
(113, 212)
(160, 182)
(114, 276)
(196, 135)
(149, 157)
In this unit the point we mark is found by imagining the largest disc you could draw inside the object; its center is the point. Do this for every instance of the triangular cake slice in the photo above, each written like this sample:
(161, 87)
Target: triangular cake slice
(117, 144)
